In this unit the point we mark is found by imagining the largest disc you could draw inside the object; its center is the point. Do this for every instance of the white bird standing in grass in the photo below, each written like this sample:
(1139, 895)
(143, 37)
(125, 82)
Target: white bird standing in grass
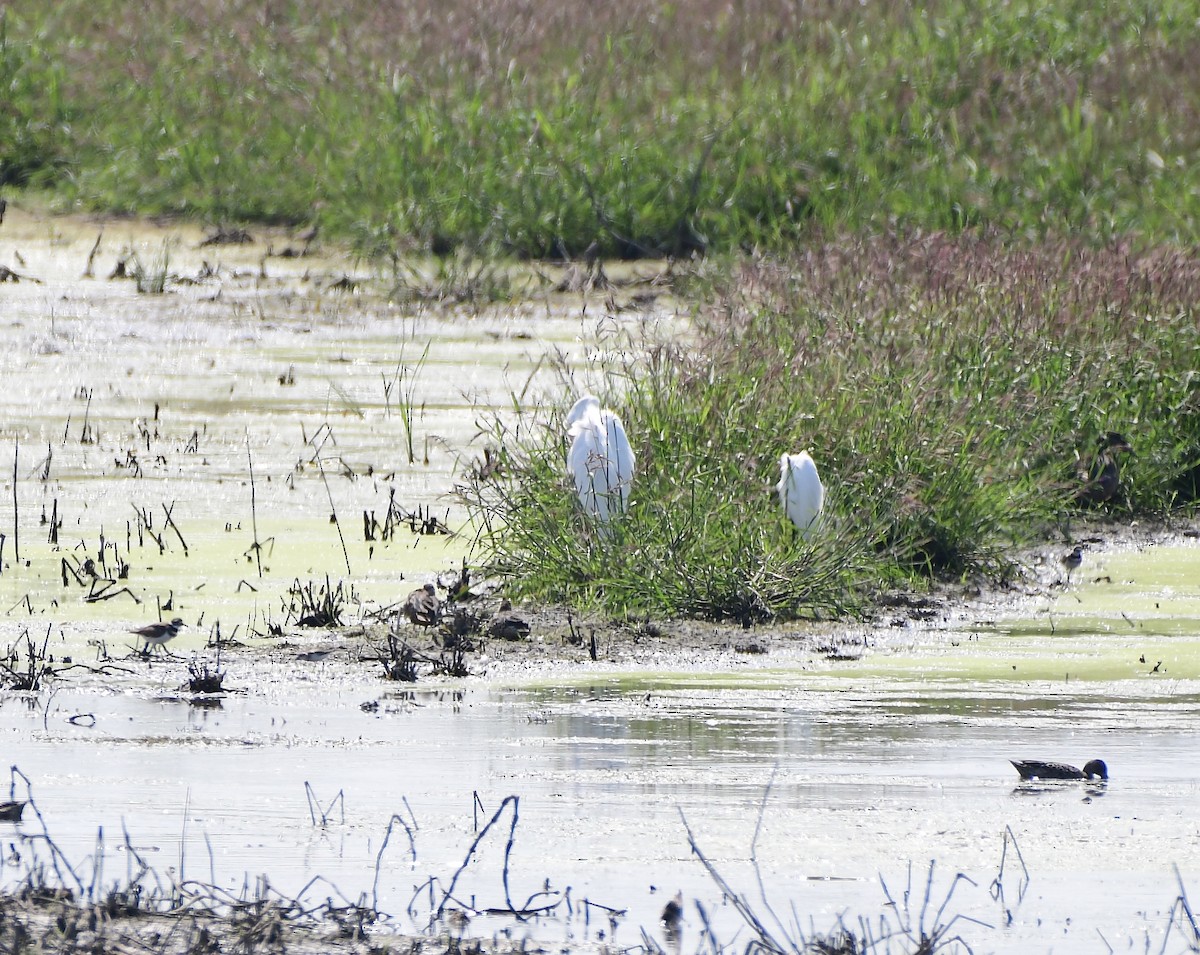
(800, 490)
(600, 460)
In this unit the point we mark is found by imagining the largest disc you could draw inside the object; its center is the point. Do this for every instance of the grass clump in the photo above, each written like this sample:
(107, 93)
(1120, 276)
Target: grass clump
(951, 389)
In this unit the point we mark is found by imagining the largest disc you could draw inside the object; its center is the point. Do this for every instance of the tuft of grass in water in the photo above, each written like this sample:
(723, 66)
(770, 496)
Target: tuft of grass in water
(152, 279)
(644, 130)
(951, 390)
(459, 279)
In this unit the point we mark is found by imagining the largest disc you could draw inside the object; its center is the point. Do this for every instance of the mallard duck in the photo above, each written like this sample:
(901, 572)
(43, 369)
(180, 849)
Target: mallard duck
(11, 811)
(1039, 769)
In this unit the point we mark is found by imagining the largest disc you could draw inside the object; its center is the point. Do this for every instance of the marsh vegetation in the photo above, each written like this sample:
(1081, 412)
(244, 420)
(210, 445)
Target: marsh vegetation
(945, 247)
(642, 128)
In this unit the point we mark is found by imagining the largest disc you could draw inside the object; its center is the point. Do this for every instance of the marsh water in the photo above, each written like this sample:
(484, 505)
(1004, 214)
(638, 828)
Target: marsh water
(875, 788)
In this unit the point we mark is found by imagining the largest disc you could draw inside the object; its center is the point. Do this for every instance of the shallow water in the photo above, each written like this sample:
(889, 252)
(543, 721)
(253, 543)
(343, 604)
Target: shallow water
(123, 407)
(868, 778)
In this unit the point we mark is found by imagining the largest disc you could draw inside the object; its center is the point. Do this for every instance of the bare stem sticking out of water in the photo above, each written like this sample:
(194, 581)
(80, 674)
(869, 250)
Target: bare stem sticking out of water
(16, 532)
(315, 810)
(175, 527)
(256, 546)
(997, 887)
(332, 509)
(91, 259)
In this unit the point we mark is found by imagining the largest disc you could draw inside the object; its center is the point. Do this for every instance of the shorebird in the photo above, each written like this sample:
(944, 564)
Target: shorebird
(1038, 769)
(422, 607)
(600, 460)
(800, 490)
(1072, 560)
(158, 634)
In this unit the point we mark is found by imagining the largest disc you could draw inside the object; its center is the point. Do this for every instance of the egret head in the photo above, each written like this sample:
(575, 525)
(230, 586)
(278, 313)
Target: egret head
(585, 407)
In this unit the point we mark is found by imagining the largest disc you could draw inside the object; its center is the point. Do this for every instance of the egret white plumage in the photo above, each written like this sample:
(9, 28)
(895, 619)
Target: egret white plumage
(600, 459)
(800, 490)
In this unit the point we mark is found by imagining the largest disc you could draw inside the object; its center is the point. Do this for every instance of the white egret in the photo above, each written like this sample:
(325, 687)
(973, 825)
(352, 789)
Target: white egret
(800, 490)
(600, 459)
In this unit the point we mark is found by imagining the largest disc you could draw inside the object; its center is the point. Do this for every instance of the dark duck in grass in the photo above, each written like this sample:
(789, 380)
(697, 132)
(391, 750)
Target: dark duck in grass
(1102, 479)
(1038, 769)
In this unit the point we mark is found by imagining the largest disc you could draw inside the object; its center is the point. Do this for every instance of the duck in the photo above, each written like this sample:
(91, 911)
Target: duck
(1102, 479)
(11, 811)
(507, 624)
(422, 607)
(1040, 769)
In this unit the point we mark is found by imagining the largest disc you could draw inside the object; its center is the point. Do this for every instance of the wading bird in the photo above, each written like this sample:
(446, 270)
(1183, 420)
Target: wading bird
(600, 459)
(422, 607)
(800, 491)
(1072, 560)
(158, 634)
(1037, 769)
(1102, 479)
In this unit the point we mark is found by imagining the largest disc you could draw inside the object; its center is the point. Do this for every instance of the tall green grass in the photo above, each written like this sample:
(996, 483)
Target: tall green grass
(950, 389)
(645, 128)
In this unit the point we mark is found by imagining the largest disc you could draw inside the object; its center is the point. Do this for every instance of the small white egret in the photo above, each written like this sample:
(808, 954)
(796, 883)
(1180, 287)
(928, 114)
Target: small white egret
(800, 490)
(600, 459)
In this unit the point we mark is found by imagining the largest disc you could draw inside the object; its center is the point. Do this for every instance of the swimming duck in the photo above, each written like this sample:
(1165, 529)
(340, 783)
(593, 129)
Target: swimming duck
(1039, 769)
(11, 811)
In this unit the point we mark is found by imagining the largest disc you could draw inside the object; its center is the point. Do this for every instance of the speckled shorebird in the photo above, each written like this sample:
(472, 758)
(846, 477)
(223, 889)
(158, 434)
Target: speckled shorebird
(422, 607)
(507, 624)
(1038, 769)
(158, 634)
(1102, 479)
